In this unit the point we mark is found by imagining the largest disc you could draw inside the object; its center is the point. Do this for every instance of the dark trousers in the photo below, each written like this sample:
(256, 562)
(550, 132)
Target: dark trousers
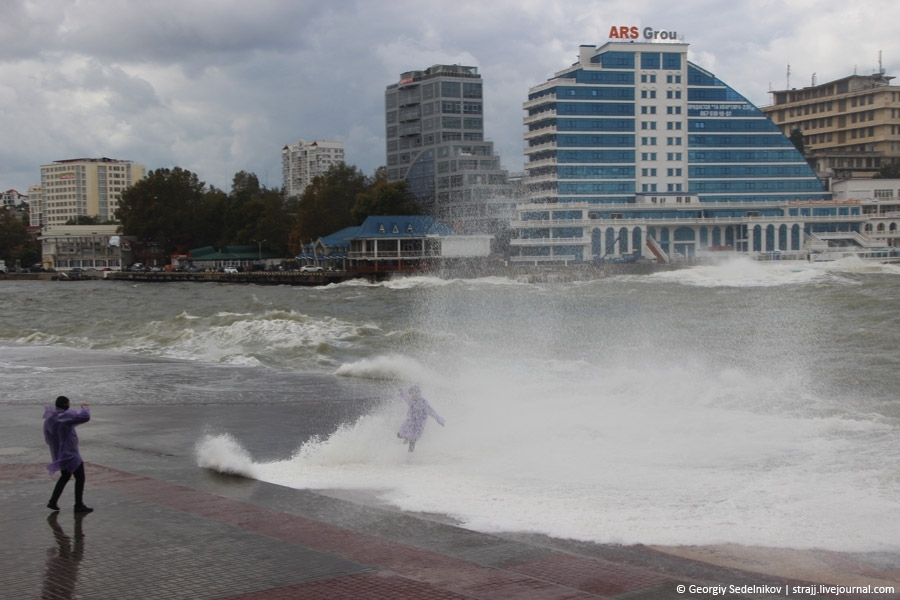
(64, 477)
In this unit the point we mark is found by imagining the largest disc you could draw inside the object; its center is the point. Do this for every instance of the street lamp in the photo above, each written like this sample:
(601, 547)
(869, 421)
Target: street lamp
(260, 248)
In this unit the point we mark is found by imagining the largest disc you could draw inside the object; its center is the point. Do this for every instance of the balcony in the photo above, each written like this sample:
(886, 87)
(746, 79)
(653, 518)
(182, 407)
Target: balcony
(539, 101)
(543, 162)
(550, 129)
(541, 116)
(533, 179)
(551, 145)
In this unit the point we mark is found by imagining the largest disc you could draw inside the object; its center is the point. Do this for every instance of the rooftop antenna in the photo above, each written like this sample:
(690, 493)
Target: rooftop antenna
(788, 77)
(880, 66)
(814, 80)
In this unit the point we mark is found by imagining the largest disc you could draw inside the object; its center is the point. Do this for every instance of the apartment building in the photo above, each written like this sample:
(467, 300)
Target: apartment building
(35, 207)
(851, 126)
(88, 187)
(12, 199)
(434, 122)
(303, 161)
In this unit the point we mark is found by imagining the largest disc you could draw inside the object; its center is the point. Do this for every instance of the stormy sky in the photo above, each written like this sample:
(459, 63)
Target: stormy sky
(220, 86)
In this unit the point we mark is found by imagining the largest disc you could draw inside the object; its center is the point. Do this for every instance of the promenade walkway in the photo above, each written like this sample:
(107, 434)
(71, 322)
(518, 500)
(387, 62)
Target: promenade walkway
(165, 529)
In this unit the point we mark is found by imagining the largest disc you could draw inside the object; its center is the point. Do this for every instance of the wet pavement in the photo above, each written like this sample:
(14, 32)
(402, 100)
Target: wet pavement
(164, 528)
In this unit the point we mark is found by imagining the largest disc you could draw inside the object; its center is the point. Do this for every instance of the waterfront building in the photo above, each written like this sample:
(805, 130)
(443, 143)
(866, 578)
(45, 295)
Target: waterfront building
(635, 152)
(65, 247)
(303, 161)
(399, 243)
(330, 251)
(880, 202)
(435, 142)
(244, 258)
(85, 187)
(850, 126)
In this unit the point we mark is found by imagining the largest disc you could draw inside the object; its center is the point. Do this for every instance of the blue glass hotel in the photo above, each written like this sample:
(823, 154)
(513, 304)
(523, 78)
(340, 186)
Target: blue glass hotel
(633, 151)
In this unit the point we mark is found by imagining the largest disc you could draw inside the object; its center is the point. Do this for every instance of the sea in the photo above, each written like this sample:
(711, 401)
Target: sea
(746, 402)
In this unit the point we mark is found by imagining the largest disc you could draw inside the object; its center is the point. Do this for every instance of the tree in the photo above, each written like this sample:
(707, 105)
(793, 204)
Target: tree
(889, 170)
(256, 214)
(326, 204)
(797, 139)
(383, 198)
(16, 244)
(209, 220)
(84, 220)
(163, 208)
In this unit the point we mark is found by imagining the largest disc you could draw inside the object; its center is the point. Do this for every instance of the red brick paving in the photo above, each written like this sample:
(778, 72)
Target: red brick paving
(399, 570)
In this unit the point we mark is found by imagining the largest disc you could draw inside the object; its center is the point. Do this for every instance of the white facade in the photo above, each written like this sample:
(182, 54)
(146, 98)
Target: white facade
(880, 200)
(84, 246)
(12, 199)
(465, 246)
(303, 161)
(867, 189)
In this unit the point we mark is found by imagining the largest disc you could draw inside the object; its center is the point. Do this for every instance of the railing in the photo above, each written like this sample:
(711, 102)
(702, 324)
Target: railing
(540, 147)
(529, 179)
(555, 241)
(538, 101)
(388, 255)
(544, 162)
(541, 116)
(539, 132)
(679, 221)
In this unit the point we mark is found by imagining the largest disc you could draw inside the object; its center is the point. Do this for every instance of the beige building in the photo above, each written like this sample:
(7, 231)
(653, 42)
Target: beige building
(88, 187)
(302, 161)
(851, 126)
(35, 206)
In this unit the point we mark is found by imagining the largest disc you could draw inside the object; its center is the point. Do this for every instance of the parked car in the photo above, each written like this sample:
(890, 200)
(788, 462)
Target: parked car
(231, 269)
(311, 269)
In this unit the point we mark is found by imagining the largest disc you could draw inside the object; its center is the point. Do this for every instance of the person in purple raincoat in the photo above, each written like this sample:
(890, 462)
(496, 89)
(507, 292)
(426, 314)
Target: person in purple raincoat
(416, 415)
(59, 433)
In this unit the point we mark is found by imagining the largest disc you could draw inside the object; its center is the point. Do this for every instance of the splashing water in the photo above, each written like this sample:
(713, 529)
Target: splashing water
(618, 455)
(224, 454)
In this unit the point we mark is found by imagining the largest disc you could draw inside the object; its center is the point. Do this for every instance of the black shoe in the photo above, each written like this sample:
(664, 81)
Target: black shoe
(81, 508)
(52, 506)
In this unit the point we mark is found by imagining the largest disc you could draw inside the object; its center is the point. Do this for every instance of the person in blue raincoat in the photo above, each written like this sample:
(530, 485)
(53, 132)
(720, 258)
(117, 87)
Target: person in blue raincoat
(59, 433)
(416, 415)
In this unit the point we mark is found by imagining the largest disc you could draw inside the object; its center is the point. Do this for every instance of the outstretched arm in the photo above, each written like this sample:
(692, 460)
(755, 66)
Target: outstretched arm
(76, 418)
(433, 413)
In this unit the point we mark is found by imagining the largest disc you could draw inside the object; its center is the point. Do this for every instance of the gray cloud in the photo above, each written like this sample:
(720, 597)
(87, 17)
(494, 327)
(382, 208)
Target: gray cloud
(219, 87)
